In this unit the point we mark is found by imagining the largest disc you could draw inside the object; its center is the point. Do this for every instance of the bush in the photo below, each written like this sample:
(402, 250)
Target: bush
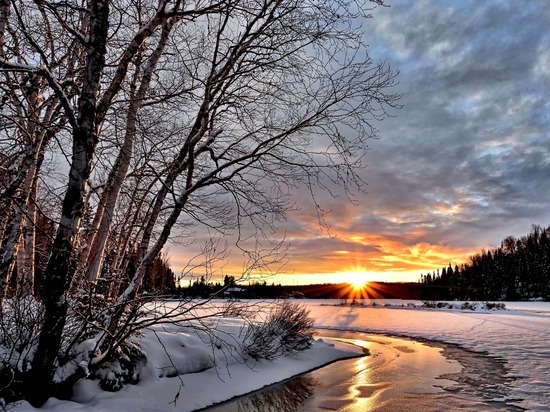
(20, 322)
(287, 329)
(124, 367)
(468, 306)
(495, 305)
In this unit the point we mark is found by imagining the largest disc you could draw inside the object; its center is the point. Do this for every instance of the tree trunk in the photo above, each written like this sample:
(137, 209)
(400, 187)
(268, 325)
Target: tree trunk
(25, 256)
(13, 233)
(60, 268)
(122, 163)
(23, 186)
(10, 246)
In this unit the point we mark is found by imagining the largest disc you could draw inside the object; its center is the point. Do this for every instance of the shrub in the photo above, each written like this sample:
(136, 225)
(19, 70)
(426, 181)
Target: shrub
(468, 306)
(495, 305)
(287, 329)
(20, 321)
(124, 367)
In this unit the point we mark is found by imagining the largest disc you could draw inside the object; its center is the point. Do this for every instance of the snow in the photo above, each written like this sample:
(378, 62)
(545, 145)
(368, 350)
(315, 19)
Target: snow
(195, 390)
(186, 372)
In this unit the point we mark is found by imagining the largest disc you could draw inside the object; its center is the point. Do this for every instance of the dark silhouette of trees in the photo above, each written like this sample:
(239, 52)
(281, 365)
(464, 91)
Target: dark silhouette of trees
(517, 270)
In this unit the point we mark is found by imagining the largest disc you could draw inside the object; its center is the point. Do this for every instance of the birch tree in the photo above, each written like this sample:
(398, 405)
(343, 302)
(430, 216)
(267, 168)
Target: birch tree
(32, 116)
(255, 97)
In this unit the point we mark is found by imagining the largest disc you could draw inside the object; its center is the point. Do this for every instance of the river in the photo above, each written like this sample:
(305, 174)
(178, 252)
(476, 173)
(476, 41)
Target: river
(396, 374)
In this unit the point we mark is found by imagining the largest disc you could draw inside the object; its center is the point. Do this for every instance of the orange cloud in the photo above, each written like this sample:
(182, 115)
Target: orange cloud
(384, 258)
(314, 258)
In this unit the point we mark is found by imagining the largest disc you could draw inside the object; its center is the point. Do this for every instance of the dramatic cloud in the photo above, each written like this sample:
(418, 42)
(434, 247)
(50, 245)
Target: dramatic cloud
(465, 162)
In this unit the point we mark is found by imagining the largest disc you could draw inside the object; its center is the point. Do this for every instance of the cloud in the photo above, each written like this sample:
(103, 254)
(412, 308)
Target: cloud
(473, 135)
(466, 161)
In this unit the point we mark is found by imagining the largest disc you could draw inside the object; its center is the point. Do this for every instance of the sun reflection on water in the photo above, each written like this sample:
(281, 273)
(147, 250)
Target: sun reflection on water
(397, 374)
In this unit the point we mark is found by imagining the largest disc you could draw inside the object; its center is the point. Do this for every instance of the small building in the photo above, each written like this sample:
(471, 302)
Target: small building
(233, 292)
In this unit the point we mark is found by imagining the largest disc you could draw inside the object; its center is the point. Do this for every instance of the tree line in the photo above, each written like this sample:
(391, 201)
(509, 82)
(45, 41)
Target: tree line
(200, 288)
(519, 269)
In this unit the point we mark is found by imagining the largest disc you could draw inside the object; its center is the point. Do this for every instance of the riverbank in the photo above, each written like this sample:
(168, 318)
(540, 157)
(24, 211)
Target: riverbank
(426, 376)
(519, 338)
(186, 373)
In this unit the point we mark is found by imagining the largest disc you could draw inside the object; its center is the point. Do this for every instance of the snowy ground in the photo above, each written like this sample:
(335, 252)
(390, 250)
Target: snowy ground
(519, 335)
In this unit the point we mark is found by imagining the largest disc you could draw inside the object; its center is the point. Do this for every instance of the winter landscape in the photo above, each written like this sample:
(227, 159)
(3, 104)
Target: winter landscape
(251, 205)
(517, 336)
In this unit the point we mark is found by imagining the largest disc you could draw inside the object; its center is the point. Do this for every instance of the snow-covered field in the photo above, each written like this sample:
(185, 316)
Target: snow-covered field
(519, 335)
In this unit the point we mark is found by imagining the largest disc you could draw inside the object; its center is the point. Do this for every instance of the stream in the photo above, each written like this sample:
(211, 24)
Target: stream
(396, 374)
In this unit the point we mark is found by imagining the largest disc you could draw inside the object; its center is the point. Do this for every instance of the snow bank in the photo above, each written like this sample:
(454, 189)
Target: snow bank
(187, 371)
(184, 372)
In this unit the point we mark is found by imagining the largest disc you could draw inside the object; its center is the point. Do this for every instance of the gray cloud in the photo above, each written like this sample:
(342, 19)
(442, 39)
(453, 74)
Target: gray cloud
(475, 129)
(466, 161)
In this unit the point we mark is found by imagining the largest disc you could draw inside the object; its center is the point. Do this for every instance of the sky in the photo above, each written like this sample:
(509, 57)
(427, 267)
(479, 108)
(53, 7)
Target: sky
(463, 164)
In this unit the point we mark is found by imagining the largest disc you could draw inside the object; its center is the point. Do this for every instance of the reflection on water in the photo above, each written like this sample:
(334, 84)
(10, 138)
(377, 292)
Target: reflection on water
(396, 375)
(285, 397)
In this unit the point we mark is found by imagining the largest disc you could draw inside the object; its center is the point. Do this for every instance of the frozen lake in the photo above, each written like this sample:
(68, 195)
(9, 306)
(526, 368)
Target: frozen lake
(519, 336)
(505, 356)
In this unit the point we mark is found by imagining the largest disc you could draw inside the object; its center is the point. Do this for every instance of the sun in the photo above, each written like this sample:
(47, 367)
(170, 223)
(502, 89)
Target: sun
(358, 280)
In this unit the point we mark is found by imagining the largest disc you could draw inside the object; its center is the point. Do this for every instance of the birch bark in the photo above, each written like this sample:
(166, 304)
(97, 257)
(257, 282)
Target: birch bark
(60, 267)
(122, 164)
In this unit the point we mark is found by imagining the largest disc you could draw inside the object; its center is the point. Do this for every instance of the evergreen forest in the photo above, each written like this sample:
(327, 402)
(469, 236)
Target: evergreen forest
(517, 270)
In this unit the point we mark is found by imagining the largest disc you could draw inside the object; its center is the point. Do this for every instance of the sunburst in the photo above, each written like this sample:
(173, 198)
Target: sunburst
(361, 285)
(358, 280)
(358, 284)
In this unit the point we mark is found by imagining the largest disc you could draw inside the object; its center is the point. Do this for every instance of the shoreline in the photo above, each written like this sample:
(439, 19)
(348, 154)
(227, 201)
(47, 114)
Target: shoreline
(440, 389)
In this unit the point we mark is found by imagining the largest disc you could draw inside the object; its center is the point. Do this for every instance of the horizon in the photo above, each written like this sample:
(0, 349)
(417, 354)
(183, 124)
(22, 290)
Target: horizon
(353, 275)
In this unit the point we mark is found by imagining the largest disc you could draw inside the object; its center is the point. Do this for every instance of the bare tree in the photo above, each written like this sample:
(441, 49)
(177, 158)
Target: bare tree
(275, 65)
(106, 206)
(31, 117)
(255, 97)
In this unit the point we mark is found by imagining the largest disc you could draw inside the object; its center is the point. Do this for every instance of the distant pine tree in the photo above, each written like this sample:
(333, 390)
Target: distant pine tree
(517, 270)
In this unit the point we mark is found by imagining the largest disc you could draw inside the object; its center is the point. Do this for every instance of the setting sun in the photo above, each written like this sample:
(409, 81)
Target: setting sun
(357, 278)
(358, 281)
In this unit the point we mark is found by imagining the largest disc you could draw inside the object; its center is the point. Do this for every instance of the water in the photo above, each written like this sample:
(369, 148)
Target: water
(398, 374)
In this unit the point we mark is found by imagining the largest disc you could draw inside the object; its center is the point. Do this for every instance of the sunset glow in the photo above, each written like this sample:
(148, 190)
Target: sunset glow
(358, 281)
(357, 264)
